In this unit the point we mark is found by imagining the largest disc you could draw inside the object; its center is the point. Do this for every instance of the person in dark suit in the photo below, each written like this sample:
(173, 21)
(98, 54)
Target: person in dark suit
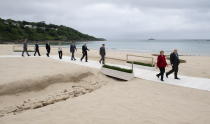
(102, 54)
(60, 52)
(48, 48)
(72, 51)
(84, 53)
(161, 64)
(174, 59)
(37, 49)
(25, 48)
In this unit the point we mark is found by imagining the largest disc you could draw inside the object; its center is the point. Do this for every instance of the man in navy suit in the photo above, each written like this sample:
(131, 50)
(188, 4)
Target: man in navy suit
(37, 49)
(72, 50)
(48, 48)
(25, 48)
(84, 53)
(174, 59)
(102, 53)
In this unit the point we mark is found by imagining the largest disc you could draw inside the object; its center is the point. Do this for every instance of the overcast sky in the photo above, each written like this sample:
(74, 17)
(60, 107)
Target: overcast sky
(114, 19)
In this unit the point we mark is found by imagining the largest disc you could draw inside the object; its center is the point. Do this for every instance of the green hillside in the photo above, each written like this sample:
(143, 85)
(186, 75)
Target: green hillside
(13, 31)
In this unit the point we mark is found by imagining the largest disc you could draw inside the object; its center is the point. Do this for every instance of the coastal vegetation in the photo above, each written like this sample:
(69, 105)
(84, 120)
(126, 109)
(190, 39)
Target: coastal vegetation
(141, 63)
(118, 68)
(14, 31)
(181, 60)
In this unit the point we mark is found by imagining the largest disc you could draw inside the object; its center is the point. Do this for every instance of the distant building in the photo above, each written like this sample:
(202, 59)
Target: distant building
(28, 26)
(43, 28)
(42, 22)
(15, 24)
(6, 22)
(54, 29)
(34, 27)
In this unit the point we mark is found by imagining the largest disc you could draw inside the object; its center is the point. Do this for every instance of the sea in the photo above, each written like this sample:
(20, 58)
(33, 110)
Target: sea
(199, 47)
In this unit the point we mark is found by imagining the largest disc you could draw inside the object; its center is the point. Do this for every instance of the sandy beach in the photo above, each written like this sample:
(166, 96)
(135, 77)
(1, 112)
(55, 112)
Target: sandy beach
(197, 66)
(45, 91)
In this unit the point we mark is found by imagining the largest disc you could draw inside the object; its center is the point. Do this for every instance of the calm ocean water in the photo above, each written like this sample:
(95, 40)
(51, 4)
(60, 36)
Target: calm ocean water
(186, 47)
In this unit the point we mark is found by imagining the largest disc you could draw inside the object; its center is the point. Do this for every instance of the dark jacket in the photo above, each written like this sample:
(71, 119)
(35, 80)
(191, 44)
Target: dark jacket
(25, 46)
(72, 48)
(36, 46)
(174, 59)
(84, 49)
(102, 51)
(161, 61)
(48, 47)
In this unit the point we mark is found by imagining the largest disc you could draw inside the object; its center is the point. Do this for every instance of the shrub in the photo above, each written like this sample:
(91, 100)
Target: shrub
(118, 68)
(181, 60)
(141, 63)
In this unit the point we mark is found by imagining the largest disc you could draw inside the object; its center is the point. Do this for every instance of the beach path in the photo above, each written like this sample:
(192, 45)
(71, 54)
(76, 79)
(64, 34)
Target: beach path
(142, 73)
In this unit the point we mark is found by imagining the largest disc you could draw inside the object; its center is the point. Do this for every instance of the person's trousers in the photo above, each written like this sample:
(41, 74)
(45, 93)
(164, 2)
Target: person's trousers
(37, 51)
(72, 56)
(60, 53)
(26, 52)
(174, 69)
(48, 53)
(102, 59)
(84, 55)
(162, 71)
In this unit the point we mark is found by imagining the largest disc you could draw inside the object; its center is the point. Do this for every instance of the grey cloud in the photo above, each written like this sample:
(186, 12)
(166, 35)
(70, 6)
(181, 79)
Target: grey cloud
(118, 18)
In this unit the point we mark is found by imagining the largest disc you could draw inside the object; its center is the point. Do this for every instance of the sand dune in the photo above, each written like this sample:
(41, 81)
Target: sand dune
(40, 83)
(37, 82)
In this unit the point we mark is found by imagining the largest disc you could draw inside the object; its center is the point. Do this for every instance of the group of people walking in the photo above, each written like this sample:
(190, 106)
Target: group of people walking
(85, 50)
(161, 59)
(36, 49)
(73, 49)
(161, 64)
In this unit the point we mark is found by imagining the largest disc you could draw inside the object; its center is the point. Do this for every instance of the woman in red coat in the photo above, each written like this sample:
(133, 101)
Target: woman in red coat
(161, 64)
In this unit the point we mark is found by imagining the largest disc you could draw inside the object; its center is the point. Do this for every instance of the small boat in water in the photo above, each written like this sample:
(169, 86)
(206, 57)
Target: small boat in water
(151, 39)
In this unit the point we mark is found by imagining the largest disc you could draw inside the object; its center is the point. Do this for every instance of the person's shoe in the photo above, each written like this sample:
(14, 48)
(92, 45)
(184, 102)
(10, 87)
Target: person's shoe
(86, 61)
(157, 76)
(177, 78)
(166, 75)
(162, 80)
